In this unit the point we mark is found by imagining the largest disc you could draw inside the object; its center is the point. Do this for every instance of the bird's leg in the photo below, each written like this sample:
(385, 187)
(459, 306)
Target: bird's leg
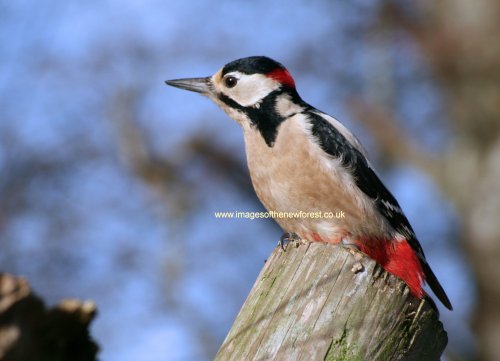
(358, 255)
(289, 237)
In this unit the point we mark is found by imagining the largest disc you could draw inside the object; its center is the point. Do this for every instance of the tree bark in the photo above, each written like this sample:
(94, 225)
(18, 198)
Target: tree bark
(312, 302)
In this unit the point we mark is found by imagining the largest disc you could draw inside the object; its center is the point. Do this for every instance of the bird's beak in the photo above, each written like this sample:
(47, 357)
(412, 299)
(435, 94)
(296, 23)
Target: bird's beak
(198, 85)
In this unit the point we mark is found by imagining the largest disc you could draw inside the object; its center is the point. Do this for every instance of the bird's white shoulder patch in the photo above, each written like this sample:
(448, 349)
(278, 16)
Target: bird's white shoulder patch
(344, 131)
(332, 166)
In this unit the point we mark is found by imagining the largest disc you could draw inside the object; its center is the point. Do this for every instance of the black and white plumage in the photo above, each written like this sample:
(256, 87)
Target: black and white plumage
(301, 159)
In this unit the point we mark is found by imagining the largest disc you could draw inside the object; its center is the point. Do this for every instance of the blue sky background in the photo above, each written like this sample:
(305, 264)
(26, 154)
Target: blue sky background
(78, 221)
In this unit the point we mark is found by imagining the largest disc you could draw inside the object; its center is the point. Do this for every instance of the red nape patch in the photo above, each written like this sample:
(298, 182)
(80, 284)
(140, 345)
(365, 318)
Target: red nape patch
(282, 76)
(398, 258)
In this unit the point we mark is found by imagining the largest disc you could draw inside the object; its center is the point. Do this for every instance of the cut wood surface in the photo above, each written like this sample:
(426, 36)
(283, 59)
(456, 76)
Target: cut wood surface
(308, 303)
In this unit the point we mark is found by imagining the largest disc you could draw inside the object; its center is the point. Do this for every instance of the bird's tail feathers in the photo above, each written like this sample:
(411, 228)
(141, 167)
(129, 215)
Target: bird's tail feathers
(435, 286)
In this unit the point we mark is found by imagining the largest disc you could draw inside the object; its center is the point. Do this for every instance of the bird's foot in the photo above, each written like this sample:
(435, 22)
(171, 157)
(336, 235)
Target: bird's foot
(357, 267)
(290, 238)
(357, 254)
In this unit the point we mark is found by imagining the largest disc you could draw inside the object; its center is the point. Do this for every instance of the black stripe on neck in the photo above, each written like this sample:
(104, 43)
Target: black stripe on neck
(264, 116)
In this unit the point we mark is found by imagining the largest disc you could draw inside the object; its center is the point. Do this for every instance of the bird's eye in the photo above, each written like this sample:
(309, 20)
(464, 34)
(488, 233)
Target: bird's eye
(230, 81)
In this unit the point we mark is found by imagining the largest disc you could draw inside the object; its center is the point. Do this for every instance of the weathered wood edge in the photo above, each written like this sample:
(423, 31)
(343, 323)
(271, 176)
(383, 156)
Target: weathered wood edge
(307, 304)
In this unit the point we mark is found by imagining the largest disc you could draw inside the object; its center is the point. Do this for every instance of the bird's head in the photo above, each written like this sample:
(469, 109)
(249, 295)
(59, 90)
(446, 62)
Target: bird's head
(258, 92)
(242, 84)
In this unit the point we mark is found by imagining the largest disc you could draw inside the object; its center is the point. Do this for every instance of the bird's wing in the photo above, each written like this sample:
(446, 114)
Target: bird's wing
(338, 142)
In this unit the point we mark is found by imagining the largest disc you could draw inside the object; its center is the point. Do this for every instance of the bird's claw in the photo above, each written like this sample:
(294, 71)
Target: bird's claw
(289, 237)
(357, 254)
(357, 267)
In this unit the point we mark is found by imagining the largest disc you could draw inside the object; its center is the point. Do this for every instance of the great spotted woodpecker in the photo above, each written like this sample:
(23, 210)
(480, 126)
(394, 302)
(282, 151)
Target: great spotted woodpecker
(301, 159)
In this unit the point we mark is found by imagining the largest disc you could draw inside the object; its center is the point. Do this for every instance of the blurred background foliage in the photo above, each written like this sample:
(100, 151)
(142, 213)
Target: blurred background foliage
(109, 179)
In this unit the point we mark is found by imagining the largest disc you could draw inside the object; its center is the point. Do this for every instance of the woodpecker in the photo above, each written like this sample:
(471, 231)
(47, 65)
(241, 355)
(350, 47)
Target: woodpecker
(301, 159)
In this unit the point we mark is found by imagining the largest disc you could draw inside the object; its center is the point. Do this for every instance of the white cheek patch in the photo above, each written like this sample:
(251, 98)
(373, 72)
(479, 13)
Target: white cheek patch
(251, 89)
(286, 107)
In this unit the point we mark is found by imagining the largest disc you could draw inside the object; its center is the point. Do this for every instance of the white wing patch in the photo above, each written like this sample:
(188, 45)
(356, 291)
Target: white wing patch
(344, 131)
(391, 207)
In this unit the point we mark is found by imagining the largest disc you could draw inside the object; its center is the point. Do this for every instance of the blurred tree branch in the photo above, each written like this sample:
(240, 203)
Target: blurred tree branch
(167, 177)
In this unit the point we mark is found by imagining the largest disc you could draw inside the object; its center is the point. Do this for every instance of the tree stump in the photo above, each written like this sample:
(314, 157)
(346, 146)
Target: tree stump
(30, 331)
(312, 303)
